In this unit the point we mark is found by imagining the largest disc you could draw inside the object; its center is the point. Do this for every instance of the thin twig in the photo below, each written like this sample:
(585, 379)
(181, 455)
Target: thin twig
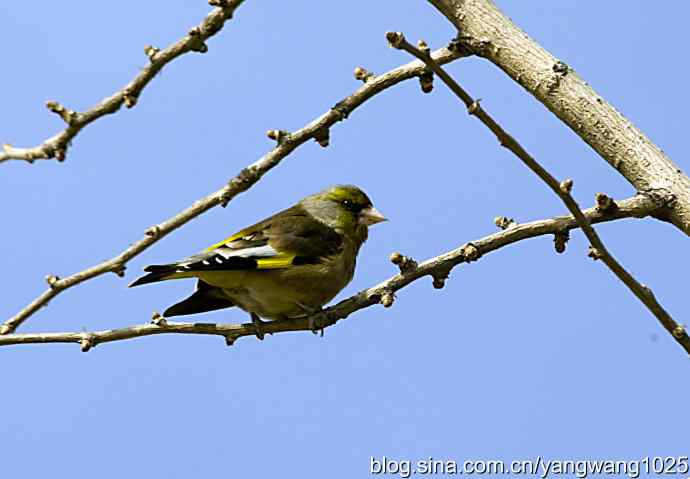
(56, 146)
(437, 267)
(562, 190)
(287, 142)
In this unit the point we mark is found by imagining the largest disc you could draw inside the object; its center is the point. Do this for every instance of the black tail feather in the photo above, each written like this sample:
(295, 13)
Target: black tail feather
(205, 298)
(160, 268)
(156, 272)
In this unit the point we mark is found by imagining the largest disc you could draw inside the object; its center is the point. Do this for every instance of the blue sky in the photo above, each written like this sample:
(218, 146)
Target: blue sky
(524, 353)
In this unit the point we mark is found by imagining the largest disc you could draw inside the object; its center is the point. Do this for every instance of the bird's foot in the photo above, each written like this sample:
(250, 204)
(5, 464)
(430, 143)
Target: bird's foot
(258, 325)
(313, 318)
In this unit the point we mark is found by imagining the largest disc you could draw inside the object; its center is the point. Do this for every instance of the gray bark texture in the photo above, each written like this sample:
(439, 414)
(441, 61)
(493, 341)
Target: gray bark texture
(485, 31)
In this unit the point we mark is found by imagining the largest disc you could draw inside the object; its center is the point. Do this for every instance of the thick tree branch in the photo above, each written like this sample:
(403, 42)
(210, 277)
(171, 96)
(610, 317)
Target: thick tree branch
(438, 268)
(287, 142)
(562, 190)
(487, 32)
(56, 146)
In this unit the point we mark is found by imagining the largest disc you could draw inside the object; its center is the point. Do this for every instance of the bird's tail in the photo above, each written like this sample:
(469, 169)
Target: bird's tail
(156, 272)
(205, 298)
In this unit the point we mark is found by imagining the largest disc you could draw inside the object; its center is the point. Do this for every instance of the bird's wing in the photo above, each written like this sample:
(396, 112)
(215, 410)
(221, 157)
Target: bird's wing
(287, 238)
(290, 237)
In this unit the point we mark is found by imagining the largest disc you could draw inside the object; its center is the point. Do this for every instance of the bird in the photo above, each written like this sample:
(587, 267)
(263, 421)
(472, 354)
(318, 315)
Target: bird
(286, 266)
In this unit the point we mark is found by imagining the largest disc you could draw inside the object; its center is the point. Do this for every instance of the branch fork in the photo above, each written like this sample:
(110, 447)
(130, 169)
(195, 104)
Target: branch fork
(562, 190)
(68, 116)
(405, 263)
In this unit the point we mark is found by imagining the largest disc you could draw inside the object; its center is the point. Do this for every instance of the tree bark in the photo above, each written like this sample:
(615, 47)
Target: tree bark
(485, 31)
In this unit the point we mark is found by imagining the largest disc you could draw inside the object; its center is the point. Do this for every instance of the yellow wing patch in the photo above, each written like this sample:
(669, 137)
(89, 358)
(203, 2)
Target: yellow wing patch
(276, 262)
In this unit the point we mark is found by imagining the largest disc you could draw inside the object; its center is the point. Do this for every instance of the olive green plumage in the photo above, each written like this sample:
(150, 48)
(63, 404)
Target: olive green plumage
(286, 266)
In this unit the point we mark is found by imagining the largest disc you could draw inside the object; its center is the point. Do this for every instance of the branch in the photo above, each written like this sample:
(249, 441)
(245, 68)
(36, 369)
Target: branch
(438, 268)
(56, 146)
(287, 142)
(487, 32)
(562, 190)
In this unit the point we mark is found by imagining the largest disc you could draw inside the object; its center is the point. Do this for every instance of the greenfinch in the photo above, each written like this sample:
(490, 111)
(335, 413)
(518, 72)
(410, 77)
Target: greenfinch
(286, 266)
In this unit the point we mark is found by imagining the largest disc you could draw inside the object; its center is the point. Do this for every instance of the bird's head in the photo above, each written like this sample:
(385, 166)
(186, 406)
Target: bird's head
(345, 208)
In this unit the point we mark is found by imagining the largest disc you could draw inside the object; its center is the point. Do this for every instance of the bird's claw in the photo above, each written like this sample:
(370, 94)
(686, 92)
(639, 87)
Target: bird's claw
(313, 317)
(258, 325)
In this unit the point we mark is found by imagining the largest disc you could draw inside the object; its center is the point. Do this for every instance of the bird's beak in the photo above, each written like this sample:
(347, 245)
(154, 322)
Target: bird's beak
(370, 216)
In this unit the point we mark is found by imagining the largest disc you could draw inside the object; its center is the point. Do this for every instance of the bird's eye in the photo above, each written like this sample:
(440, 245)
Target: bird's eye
(349, 205)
